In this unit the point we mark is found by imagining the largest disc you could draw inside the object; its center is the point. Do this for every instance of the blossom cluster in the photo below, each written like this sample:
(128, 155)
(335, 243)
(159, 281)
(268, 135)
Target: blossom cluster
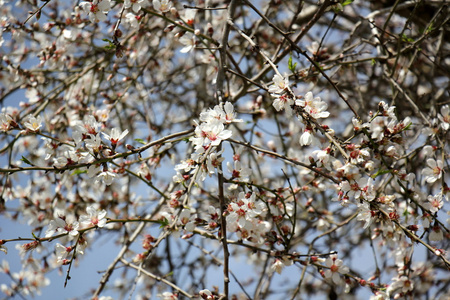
(347, 153)
(244, 217)
(208, 135)
(306, 107)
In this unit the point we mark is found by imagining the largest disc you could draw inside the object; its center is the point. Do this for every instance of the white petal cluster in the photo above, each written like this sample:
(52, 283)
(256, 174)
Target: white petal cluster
(314, 106)
(243, 218)
(96, 10)
(209, 133)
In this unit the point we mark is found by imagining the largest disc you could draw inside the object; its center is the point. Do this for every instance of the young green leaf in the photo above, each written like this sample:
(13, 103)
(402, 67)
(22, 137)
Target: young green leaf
(78, 171)
(140, 141)
(291, 66)
(26, 161)
(347, 2)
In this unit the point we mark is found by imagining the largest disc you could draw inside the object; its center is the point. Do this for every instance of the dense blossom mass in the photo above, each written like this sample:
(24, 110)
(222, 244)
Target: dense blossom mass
(298, 149)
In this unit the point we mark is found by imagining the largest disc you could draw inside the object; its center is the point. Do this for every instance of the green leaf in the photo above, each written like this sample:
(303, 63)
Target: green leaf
(347, 2)
(140, 141)
(373, 61)
(291, 66)
(381, 172)
(78, 171)
(168, 274)
(163, 223)
(407, 126)
(110, 45)
(405, 38)
(26, 161)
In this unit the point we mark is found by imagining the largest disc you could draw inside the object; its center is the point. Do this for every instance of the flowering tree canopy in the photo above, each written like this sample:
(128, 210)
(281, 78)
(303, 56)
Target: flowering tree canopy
(289, 139)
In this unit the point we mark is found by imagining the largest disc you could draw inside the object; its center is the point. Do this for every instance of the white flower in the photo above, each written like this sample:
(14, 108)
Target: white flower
(210, 133)
(6, 122)
(82, 130)
(434, 170)
(96, 10)
(167, 295)
(336, 267)
(62, 252)
(61, 226)
(185, 219)
(306, 138)
(69, 157)
(402, 282)
(280, 84)
(132, 19)
(189, 16)
(435, 203)
(283, 102)
(380, 295)
(95, 218)
(162, 5)
(94, 143)
(386, 110)
(239, 172)
(115, 136)
(243, 218)
(314, 106)
(279, 264)
(444, 117)
(106, 176)
(229, 114)
(365, 214)
(135, 4)
(358, 125)
(33, 124)
(206, 294)
(213, 161)
(188, 40)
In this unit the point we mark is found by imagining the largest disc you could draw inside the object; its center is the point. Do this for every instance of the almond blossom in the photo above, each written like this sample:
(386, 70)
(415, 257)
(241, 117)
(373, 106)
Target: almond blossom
(188, 40)
(61, 226)
(106, 176)
(314, 106)
(6, 122)
(280, 84)
(206, 294)
(162, 5)
(134, 4)
(401, 282)
(336, 269)
(32, 123)
(444, 117)
(435, 203)
(132, 19)
(115, 136)
(62, 252)
(94, 217)
(434, 170)
(97, 9)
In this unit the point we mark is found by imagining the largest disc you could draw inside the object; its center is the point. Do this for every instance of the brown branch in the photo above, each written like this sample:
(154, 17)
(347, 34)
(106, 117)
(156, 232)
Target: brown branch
(295, 162)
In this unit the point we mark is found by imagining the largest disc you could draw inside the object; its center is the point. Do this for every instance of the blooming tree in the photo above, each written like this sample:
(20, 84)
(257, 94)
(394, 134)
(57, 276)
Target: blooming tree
(295, 138)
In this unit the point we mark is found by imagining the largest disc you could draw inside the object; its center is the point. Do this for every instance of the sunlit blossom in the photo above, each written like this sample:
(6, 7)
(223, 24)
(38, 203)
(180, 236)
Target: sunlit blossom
(94, 217)
(96, 10)
(162, 5)
(32, 123)
(434, 170)
(336, 269)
